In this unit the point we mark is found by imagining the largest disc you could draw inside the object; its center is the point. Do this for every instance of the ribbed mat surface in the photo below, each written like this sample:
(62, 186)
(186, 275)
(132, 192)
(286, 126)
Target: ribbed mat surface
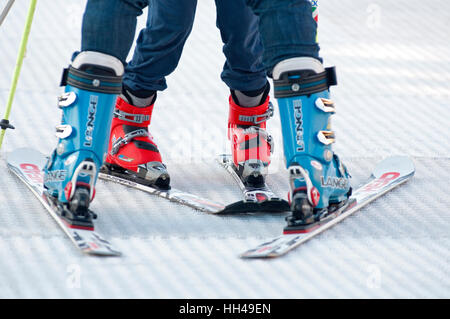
(393, 64)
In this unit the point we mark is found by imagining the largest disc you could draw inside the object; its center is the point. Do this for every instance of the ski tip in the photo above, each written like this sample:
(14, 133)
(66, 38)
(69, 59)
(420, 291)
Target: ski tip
(18, 155)
(104, 253)
(399, 163)
(252, 255)
(95, 245)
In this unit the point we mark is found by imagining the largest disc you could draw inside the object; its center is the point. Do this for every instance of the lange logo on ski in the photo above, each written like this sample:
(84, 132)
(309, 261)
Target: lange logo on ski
(91, 119)
(336, 182)
(299, 125)
(380, 182)
(32, 171)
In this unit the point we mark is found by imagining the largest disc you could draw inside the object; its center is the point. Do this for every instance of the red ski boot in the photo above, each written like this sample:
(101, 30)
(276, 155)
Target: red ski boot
(132, 153)
(251, 145)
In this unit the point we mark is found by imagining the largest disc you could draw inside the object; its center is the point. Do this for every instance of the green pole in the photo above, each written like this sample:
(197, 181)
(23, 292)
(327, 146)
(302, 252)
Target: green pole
(4, 124)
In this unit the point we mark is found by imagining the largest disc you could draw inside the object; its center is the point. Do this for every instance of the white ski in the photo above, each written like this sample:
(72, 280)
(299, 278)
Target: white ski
(251, 203)
(27, 165)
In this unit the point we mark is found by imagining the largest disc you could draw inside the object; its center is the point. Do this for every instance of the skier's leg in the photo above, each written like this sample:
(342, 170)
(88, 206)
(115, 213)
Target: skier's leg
(160, 45)
(132, 152)
(243, 69)
(92, 83)
(319, 180)
(249, 105)
(109, 26)
(287, 30)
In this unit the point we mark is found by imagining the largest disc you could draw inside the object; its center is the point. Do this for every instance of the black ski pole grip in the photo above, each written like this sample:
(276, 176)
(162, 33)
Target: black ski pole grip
(4, 124)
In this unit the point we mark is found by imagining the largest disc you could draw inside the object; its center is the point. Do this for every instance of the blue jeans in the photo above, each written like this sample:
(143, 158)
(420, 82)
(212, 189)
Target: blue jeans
(109, 27)
(287, 30)
(286, 27)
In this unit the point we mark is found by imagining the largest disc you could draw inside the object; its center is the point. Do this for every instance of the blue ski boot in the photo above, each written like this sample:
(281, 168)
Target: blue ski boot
(319, 181)
(92, 84)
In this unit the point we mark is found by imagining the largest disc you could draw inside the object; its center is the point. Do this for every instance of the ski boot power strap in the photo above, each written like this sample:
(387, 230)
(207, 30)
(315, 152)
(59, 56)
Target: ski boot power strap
(249, 116)
(288, 81)
(126, 114)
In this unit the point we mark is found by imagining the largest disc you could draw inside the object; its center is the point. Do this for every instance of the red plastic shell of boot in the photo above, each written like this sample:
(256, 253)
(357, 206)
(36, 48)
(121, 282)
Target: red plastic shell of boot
(238, 137)
(129, 156)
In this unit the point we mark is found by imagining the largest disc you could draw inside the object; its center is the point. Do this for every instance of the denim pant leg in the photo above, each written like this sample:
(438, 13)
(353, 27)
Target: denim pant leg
(287, 29)
(109, 26)
(160, 44)
(243, 69)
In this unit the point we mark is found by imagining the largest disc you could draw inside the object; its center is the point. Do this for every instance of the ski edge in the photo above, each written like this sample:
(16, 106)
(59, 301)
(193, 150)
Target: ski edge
(174, 195)
(239, 208)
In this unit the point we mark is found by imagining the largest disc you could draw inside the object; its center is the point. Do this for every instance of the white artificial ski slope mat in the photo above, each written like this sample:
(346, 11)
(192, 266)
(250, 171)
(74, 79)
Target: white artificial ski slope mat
(392, 98)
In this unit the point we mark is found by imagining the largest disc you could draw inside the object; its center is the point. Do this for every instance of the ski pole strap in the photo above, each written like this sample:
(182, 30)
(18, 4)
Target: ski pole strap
(296, 83)
(91, 82)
